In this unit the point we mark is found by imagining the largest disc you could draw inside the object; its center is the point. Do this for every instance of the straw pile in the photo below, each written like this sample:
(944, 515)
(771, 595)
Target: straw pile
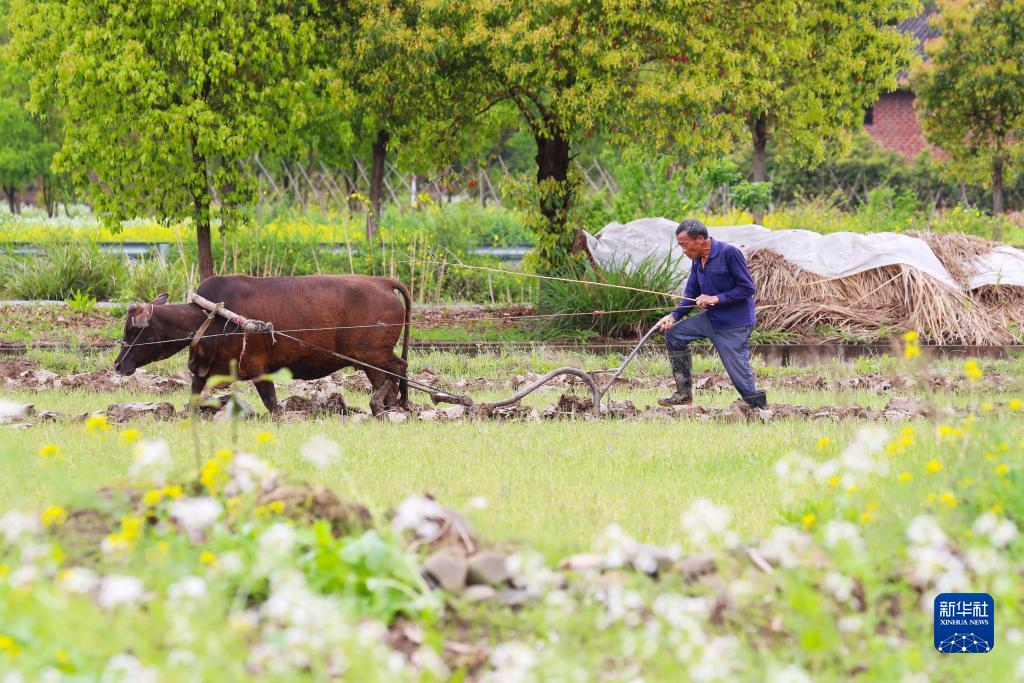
(868, 305)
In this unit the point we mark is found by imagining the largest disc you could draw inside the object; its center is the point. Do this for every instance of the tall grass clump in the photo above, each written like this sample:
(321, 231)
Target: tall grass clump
(61, 268)
(589, 292)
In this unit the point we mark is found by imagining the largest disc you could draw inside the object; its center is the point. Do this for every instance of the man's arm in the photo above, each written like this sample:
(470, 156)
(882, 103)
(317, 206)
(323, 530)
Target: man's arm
(741, 274)
(690, 293)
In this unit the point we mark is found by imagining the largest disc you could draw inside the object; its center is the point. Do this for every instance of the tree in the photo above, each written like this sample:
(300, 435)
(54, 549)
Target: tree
(660, 73)
(807, 88)
(166, 99)
(970, 92)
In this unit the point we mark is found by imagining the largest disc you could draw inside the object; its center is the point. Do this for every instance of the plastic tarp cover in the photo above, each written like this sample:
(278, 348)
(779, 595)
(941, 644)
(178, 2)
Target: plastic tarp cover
(830, 256)
(1001, 266)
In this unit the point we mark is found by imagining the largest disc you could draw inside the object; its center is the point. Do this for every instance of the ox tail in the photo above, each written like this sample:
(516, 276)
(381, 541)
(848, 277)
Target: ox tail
(403, 383)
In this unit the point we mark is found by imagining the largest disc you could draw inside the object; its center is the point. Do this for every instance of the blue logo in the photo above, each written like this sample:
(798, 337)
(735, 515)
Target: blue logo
(964, 623)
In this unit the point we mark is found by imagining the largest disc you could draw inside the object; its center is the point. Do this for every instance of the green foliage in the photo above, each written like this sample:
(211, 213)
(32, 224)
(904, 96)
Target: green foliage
(971, 90)
(582, 298)
(79, 302)
(186, 92)
(63, 268)
(752, 196)
(147, 278)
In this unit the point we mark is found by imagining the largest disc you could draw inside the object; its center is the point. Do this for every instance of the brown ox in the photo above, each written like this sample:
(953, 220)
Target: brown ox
(366, 305)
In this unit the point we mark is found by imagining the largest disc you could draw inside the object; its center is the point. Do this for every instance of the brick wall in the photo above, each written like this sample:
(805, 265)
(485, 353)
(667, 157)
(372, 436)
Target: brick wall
(894, 124)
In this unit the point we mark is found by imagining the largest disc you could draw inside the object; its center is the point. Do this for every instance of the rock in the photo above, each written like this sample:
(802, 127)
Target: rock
(454, 412)
(488, 568)
(583, 562)
(479, 593)
(514, 598)
(906, 404)
(235, 408)
(122, 412)
(358, 417)
(311, 503)
(428, 415)
(396, 417)
(448, 568)
(692, 568)
(649, 559)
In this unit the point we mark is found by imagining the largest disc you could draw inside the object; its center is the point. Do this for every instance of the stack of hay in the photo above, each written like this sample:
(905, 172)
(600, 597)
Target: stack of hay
(951, 288)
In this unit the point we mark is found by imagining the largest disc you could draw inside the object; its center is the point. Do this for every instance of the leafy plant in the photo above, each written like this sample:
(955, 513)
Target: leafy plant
(589, 306)
(80, 302)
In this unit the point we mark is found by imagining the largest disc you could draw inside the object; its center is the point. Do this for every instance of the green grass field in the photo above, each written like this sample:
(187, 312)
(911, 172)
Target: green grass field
(555, 487)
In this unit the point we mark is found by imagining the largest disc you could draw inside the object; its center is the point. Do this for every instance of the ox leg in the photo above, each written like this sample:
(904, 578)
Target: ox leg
(198, 384)
(268, 394)
(385, 391)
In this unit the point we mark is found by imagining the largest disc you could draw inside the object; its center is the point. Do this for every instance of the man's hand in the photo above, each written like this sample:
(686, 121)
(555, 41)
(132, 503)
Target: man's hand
(666, 322)
(704, 301)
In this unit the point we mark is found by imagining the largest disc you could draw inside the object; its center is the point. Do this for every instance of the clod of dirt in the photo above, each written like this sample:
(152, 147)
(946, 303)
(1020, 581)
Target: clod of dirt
(693, 568)
(488, 567)
(321, 403)
(123, 412)
(310, 503)
(447, 568)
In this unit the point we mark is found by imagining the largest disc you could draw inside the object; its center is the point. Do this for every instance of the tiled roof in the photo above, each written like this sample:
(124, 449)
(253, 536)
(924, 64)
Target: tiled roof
(919, 28)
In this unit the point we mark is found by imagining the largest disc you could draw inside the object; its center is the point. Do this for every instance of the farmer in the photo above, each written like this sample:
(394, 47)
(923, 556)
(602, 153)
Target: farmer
(721, 287)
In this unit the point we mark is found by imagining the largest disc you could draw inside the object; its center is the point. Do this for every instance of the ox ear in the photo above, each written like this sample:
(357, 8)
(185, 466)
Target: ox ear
(140, 314)
(160, 300)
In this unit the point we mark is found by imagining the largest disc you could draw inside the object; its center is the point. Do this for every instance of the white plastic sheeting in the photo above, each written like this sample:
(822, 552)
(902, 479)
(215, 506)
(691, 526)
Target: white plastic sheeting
(831, 256)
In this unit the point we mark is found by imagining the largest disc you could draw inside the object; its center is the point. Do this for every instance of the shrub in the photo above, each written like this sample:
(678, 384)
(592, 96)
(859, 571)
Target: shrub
(62, 268)
(585, 295)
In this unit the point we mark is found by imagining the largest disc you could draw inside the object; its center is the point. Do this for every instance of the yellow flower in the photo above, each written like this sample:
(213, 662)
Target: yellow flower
(851, 488)
(906, 441)
(911, 351)
(967, 481)
(907, 432)
(996, 509)
(50, 450)
(833, 481)
(173, 491)
(116, 543)
(276, 507)
(990, 457)
(264, 438)
(824, 442)
(55, 515)
(130, 527)
(948, 499)
(152, 497)
(1016, 404)
(211, 474)
(911, 337)
(893, 447)
(1003, 469)
(224, 455)
(987, 407)
(809, 520)
(97, 423)
(930, 498)
(945, 431)
(129, 436)
(905, 476)
(8, 646)
(865, 517)
(972, 370)
(933, 466)
(208, 558)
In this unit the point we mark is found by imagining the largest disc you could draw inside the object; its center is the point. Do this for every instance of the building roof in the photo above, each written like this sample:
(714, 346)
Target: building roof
(920, 28)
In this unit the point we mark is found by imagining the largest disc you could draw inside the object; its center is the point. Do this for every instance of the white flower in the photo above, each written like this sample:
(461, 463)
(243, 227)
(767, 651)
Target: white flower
(784, 545)
(705, 521)
(477, 503)
(512, 661)
(127, 669)
(14, 525)
(420, 515)
(924, 530)
(791, 674)
(195, 514)
(276, 544)
(426, 659)
(187, 588)
(718, 659)
(985, 561)
(116, 590)
(321, 451)
(840, 531)
(10, 410)
(79, 580)
(999, 531)
(249, 472)
(529, 571)
(23, 575)
(152, 462)
(841, 586)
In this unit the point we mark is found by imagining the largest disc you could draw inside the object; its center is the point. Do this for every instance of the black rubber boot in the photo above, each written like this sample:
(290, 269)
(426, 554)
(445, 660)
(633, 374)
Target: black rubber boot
(681, 361)
(757, 400)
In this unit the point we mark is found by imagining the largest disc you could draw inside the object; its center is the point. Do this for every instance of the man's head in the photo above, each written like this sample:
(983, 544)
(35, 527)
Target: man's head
(692, 236)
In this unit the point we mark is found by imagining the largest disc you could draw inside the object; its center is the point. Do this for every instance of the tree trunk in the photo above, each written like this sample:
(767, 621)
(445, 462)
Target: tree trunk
(997, 197)
(553, 165)
(759, 131)
(380, 150)
(9, 191)
(352, 186)
(202, 218)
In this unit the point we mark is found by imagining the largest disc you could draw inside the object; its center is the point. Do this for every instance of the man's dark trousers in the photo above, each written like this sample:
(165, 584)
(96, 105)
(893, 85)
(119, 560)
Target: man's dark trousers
(732, 345)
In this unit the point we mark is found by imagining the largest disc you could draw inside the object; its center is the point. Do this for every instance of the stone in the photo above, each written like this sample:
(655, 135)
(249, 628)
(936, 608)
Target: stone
(514, 598)
(454, 412)
(448, 568)
(122, 412)
(488, 567)
(583, 562)
(692, 568)
(428, 415)
(479, 593)
(649, 559)
(396, 417)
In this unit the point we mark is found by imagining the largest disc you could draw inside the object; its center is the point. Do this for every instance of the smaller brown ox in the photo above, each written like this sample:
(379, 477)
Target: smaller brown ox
(366, 306)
